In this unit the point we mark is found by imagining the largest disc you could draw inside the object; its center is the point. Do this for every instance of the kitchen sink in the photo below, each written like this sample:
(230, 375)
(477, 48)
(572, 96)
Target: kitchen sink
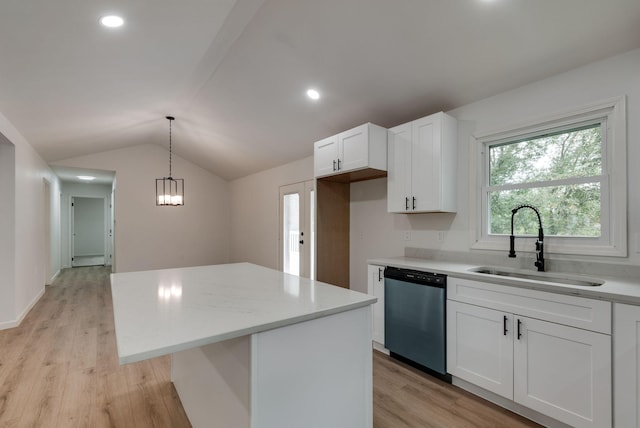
(539, 276)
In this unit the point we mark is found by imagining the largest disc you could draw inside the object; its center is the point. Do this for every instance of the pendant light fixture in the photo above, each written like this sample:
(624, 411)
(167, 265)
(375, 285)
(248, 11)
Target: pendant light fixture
(169, 190)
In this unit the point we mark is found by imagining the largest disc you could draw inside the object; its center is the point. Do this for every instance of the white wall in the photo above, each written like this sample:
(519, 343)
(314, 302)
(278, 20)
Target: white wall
(87, 190)
(254, 208)
(7, 235)
(24, 269)
(384, 234)
(151, 237)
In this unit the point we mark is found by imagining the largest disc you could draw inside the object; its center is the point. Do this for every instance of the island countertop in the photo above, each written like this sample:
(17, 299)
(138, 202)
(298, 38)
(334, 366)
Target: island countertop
(160, 312)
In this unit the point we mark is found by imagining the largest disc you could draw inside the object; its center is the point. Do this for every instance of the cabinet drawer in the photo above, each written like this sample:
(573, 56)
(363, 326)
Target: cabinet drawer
(581, 312)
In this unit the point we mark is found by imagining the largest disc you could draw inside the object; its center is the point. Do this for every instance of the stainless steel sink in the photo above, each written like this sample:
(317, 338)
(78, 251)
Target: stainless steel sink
(539, 276)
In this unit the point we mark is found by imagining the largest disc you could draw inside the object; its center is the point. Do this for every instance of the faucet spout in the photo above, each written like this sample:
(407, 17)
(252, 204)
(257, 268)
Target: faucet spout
(539, 243)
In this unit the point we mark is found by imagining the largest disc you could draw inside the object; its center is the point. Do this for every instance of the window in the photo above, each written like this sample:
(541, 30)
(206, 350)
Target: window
(572, 168)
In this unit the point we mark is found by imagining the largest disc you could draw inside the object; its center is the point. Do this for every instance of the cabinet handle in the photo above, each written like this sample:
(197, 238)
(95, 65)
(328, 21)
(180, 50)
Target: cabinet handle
(504, 325)
(406, 204)
(334, 164)
(338, 164)
(379, 274)
(414, 202)
(519, 333)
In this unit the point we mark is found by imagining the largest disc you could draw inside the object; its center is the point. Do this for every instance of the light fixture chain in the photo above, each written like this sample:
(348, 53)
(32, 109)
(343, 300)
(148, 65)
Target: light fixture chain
(170, 148)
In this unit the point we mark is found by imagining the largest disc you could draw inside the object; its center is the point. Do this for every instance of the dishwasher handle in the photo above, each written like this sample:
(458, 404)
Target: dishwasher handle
(416, 277)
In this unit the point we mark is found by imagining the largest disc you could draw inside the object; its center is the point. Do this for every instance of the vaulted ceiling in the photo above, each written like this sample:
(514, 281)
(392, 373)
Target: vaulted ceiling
(234, 72)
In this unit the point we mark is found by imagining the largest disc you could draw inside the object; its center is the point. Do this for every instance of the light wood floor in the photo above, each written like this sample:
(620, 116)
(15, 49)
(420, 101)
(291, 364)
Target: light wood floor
(404, 397)
(59, 368)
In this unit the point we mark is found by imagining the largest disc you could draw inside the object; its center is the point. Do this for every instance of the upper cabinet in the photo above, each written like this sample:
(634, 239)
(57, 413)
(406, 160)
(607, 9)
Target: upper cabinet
(359, 148)
(422, 159)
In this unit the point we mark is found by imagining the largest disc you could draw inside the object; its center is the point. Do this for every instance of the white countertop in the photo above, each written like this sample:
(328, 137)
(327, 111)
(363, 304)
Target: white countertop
(159, 312)
(613, 289)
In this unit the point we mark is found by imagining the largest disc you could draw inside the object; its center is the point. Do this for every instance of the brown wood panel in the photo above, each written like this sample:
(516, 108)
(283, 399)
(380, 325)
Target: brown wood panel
(332, 232)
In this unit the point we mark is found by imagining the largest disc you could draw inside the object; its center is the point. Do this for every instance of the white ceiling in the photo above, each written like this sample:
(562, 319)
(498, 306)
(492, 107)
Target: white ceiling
(234, 72)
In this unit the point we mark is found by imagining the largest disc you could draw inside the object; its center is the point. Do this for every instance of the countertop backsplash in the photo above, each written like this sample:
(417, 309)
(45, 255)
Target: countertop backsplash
(526, 261)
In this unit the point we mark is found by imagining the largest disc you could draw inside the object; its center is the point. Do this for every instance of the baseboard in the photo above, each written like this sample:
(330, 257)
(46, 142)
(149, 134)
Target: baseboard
(53, 278)
(8, 324)
(380, 347)
(509, 404)
(15, 323)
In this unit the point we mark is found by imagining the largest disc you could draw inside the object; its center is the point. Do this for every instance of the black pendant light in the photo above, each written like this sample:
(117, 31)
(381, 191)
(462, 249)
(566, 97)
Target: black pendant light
(169, 190)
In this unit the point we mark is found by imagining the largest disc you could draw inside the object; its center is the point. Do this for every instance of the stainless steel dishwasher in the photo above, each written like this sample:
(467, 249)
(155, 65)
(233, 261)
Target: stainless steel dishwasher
(415, 318)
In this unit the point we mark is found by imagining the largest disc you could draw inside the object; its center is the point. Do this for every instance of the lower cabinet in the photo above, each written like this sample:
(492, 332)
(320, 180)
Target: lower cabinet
(626, 354)
(375, 287)
(558, 370)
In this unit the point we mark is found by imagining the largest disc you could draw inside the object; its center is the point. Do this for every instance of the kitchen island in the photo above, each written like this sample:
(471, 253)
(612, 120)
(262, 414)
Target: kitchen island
(250, 346)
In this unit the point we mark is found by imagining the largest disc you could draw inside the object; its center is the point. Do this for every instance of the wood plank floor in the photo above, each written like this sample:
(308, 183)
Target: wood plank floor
(59, 368)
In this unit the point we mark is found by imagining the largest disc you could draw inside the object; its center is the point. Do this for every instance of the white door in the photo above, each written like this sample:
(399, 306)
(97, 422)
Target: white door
(399, 169)
(626, 354)
(46, 194)
(480, 346)
(88, 231)
(297, 229)
(325, 156)
(566, 366)
(425, 163)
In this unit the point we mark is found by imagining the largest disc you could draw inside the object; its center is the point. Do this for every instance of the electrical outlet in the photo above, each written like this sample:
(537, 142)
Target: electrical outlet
(407, 236)
(440, 235)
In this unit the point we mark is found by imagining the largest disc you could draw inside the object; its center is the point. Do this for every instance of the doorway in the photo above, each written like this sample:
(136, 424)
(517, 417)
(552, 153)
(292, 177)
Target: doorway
(88, 237)
(46, 200)
(296, 243)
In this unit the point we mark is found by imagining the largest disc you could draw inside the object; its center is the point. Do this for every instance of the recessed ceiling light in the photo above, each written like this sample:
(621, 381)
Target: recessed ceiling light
(313, 94)
(86, 177)
(112, 21)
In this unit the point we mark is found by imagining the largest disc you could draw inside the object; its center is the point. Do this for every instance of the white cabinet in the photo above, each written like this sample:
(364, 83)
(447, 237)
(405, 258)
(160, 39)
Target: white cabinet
(422, 159)
(626, 354)
(375, 287)
(563, 372)
(502, 339)
(477, 349)
(362, 147)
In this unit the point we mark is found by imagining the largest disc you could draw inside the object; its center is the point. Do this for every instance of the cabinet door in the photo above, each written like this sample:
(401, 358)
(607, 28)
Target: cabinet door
(563, 372)
(325, 156)
(399, 169)
(480, 346)
(376, 288)
(425, 163)
(626, 347)
(354, 148)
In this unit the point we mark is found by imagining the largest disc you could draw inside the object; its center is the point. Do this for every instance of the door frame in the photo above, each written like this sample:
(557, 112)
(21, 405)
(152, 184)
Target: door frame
(304, 188)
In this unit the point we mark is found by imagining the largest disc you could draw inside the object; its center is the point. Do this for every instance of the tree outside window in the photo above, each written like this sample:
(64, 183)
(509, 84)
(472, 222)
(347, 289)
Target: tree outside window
(560, 172)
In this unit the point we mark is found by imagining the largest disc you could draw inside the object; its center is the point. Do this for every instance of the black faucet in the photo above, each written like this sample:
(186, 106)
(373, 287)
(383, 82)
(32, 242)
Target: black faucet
(539, 243)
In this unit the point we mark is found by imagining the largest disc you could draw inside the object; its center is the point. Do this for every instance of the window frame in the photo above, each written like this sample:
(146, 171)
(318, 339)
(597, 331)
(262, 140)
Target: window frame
(613, 239)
